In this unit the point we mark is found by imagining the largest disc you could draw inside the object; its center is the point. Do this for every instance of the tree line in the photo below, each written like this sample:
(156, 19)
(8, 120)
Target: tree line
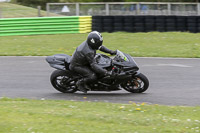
(42, 3)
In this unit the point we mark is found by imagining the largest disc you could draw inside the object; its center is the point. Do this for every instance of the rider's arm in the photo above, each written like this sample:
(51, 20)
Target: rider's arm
(106, 50)
(95, 67)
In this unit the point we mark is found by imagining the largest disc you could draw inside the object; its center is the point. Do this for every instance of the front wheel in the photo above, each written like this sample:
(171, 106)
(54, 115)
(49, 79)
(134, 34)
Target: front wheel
(137, 84)
(61, 81)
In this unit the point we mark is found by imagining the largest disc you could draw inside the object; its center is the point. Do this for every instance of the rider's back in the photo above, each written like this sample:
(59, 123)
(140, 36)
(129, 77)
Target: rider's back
(80, 54)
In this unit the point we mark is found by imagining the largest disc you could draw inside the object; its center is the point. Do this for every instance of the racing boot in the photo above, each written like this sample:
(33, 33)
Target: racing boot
(82, 86)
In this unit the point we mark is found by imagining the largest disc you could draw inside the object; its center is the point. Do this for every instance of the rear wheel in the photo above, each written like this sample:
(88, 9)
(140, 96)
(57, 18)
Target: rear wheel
(62, 81)
(138, 84)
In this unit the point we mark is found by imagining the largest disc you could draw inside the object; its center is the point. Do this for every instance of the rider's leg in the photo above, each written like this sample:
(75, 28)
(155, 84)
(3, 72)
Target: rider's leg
(88, 77)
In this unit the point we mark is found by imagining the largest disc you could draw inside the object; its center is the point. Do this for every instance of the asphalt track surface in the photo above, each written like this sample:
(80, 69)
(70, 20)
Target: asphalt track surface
(172, 82)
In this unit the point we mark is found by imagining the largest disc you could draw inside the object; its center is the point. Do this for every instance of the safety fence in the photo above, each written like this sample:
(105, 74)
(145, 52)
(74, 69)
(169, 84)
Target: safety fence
(146, 23)
(124, 8)
(45, 25)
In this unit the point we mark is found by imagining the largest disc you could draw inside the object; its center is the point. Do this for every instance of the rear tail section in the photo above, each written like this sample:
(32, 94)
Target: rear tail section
(59, 61)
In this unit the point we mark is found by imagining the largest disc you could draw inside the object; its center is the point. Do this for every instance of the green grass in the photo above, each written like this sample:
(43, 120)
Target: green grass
(56, 116)
(154, 44)
(9, 10)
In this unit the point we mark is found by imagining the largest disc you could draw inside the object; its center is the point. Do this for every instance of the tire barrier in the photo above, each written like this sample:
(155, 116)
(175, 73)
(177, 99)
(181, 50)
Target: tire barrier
(146, 23)
(85, 24)
(45, 25)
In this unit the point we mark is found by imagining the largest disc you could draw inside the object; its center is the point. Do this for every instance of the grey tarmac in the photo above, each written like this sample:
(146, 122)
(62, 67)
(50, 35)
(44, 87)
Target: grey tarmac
(173, 81)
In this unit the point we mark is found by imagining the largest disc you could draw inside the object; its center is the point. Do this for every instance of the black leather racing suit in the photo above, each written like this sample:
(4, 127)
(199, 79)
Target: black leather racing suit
(83, 62)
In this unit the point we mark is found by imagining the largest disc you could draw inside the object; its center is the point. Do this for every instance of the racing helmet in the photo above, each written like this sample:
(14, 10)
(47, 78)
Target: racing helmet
(95, 40)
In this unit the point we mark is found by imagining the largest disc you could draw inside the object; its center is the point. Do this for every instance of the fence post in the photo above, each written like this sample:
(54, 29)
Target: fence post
(1, 14)
(77, 9)
(198, 9)
(169, 8)
(138, 9)
(107, 9)
(39, 8)
(47, 9)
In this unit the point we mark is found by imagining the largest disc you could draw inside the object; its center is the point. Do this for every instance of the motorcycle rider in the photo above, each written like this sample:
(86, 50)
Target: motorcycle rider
(83, 61)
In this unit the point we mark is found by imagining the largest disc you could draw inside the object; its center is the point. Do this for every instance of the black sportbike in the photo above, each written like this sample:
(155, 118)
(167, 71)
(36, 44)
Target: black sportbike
(124, 71)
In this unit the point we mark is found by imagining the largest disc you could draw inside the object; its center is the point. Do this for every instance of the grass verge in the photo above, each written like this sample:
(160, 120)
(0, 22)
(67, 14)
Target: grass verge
(9, 10)
(153, 44)
(42, 116)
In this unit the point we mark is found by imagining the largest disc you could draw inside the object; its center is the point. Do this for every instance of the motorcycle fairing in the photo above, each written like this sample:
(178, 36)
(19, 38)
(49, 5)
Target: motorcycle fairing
(103, 60)
(59, 61)
(62, 61)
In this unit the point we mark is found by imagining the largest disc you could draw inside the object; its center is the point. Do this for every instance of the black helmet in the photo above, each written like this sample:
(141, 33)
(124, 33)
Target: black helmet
(94, 39)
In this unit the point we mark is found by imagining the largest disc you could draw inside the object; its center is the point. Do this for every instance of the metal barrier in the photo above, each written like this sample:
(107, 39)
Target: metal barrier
(124, 8)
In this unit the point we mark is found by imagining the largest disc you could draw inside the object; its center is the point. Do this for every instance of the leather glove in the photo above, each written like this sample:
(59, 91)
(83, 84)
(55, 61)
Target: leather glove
(113, 52)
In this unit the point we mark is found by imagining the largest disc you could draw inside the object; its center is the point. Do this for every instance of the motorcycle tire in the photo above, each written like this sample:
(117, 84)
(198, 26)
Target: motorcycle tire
(58, 78)
(138, 84)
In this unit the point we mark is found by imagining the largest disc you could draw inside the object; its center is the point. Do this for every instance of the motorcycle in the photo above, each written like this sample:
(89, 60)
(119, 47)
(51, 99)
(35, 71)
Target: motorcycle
(124, 75)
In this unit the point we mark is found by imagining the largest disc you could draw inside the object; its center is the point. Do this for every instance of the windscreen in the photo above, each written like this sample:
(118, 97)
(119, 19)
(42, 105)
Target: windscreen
(121, 56)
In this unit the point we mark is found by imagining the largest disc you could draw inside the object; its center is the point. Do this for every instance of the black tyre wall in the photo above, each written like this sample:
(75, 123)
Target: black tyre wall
(149, 23)
(146, 23)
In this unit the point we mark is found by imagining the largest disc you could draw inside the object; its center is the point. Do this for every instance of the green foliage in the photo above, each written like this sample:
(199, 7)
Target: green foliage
(10, 10)
(42, 3)
(161, 0)
(91, 0)
(128, 0)
(35, 3)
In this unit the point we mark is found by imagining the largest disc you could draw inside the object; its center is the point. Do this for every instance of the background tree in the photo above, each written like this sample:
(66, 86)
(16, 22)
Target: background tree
(42, 3)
